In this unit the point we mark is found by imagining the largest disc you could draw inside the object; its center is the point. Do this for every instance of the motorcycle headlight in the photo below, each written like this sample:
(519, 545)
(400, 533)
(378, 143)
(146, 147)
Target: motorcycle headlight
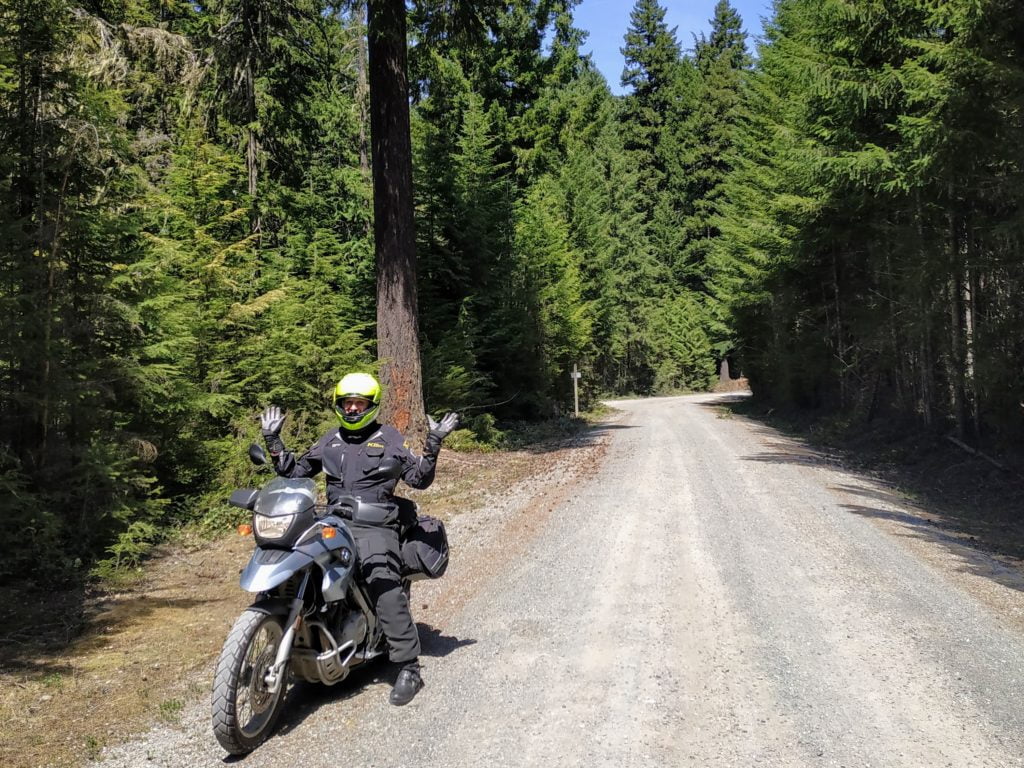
(272, 527)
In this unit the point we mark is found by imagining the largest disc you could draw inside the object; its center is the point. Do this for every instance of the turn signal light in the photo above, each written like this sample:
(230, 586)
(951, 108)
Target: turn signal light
(245, 529)
(329, 532)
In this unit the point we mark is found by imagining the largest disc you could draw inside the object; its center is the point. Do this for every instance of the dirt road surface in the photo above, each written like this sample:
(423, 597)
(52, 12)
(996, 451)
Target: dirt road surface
(708, 593)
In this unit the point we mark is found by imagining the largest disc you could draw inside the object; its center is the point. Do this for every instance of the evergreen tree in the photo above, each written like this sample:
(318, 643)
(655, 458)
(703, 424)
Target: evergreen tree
(622, 273)
(464, 220)
(557, 331)
(655, 120)
(286, 308)
(884, 285)
(722, 63)
(74, 268)
(477, 127)
(653, 73)
(185, 206)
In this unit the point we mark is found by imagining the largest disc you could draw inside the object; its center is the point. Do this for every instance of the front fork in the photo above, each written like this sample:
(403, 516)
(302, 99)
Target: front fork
(274, 678)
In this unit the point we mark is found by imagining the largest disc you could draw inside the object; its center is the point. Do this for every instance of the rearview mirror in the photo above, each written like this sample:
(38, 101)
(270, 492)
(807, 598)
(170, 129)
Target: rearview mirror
(257, 455)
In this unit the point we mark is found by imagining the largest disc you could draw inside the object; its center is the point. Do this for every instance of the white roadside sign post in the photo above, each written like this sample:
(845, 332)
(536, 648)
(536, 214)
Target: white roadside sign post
(575, 391)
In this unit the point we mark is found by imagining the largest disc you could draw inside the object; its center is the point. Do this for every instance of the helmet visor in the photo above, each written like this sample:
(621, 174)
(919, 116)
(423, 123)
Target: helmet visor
(353, 405)
(354, 410)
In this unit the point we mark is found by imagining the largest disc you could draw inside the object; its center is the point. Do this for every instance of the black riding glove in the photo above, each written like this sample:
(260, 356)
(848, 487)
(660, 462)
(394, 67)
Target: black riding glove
(271, 421)
(439, 430)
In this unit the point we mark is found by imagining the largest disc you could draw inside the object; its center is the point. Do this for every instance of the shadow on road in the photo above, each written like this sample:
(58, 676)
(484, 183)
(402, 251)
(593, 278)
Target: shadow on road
(305, 698)
(584, 437)
(962, 546)
(600, 429)
(788, 453)
(877, 493)
(955, 501)
(724, 399)
(437, 645)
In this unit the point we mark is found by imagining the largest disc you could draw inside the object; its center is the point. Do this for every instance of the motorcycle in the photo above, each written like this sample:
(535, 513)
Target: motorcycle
(312, 619)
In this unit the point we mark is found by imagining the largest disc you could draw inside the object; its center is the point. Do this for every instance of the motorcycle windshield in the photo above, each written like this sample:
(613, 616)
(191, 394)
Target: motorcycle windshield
(286, 496)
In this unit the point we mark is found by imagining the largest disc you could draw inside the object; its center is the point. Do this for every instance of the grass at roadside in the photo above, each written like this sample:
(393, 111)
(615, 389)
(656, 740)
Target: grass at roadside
(112, 658)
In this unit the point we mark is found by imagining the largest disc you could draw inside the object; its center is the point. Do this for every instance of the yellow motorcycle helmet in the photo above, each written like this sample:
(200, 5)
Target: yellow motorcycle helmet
(362, 386)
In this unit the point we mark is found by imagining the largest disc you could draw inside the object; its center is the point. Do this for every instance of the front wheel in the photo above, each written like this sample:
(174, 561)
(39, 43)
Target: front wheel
(244, 709)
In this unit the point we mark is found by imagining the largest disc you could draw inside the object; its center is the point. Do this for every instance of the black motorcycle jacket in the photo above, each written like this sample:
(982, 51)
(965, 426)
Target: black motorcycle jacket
(347, 457)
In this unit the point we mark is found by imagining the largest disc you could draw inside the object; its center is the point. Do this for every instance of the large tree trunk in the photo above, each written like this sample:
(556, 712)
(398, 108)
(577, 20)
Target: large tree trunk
(398, 346)
(970, 293)
(844, 364)
(956, 295)
(252, 143)
(925, 309)
(362, 87)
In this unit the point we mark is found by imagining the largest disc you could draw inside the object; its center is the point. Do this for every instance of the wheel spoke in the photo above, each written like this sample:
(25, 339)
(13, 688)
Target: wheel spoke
(244, 710)
(255, 701)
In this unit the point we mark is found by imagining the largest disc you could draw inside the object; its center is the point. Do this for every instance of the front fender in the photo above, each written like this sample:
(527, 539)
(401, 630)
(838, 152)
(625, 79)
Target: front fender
(269, 567)
(272, 606)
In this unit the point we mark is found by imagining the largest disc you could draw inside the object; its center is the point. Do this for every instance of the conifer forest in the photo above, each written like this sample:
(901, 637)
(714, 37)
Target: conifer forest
(835, 208)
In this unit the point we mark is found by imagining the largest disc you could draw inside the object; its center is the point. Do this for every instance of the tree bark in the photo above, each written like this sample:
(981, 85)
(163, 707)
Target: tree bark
(844, 364)
(925, 309)
(970, 293)
(362, 88)
(957, 363)
(398, 346)
(900, 367)
(252, 145)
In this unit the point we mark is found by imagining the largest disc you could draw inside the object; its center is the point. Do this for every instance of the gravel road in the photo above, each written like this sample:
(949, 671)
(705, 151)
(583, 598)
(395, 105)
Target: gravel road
(687, 589)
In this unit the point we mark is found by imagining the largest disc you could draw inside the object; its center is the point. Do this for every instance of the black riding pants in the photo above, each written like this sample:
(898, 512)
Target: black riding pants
(380, 564)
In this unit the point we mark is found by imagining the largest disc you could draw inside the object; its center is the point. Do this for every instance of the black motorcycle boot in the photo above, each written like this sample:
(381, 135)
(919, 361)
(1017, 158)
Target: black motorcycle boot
(407, 685)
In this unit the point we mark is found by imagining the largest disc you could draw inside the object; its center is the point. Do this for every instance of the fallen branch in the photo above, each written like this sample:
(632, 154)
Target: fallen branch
(979, 454)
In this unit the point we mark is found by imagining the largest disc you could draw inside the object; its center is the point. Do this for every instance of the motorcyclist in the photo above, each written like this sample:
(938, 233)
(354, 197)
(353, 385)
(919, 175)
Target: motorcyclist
(346, 455)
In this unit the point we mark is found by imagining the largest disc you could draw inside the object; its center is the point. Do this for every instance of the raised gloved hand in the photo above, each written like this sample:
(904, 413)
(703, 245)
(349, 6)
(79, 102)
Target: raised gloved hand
(445, 426)
(271, 421)
(439, 430)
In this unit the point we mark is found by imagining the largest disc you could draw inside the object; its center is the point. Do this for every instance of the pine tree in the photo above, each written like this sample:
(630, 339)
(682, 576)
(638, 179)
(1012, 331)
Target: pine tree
(478, 127)
(656, 120)
(555, 328)
(867, 267)
(287, 309)
(653, 74)
(722, 63)
(76, 277)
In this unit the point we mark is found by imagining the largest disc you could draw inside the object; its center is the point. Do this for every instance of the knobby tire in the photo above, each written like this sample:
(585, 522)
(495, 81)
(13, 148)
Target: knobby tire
(238, 684)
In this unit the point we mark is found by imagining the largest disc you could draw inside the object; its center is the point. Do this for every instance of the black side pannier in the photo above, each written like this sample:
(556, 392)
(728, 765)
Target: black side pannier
(425, 549)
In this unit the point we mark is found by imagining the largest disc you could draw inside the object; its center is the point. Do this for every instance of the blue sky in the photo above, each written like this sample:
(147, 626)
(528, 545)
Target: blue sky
(606, 22)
